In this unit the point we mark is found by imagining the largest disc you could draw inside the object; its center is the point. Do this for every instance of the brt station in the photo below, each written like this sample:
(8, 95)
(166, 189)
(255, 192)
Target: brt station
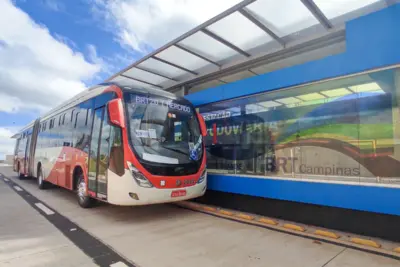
(301, 102)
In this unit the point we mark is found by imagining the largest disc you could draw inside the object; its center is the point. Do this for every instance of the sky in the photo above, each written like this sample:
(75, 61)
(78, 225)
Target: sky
(50, 50)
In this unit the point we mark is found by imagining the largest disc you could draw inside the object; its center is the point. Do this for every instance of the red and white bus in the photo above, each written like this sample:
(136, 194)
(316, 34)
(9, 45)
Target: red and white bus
(118, 144)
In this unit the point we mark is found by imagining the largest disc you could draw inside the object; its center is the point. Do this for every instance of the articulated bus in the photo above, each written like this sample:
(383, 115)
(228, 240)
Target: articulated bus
(118, 144)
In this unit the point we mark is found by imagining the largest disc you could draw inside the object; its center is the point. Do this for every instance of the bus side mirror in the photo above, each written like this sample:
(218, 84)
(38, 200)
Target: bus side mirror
(203, 127)
(116, 113)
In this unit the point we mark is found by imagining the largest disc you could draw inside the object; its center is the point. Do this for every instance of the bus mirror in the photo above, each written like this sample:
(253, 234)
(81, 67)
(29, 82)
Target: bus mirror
(116, 113)
(203, 127)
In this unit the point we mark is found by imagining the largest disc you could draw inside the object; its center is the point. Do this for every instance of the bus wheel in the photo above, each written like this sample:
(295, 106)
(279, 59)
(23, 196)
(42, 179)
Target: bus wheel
(84, 200)
(42, 184)
(20, 175)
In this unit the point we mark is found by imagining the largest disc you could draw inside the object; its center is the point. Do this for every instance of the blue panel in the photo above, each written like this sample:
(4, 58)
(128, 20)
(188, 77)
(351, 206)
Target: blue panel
(372, 41)
(365, 198)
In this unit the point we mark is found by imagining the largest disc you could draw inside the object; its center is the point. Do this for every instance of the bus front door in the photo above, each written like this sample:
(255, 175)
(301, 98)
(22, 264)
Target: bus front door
(99, 154)
(27, 155)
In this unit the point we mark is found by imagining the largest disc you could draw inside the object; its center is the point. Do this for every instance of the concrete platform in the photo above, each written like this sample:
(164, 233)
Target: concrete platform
(165, 235)
(27, 239)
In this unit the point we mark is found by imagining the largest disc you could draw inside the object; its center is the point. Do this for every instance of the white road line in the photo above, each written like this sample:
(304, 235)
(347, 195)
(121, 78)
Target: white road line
(5, 179)
(119, 264)
(19, 189)
(44, 208)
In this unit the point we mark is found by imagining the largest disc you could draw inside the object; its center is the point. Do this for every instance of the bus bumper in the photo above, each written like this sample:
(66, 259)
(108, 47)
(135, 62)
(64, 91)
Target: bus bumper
(124, 191)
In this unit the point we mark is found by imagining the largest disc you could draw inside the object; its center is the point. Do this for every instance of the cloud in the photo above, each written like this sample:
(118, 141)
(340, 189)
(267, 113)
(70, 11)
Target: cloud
(65, 40)
(54, 5)
(144, 25)
(37, 70)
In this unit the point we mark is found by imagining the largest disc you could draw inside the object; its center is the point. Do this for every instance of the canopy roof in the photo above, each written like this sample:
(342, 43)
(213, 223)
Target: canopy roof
(244, 39)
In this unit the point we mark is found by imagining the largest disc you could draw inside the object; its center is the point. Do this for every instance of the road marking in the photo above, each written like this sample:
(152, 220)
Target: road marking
(5, 179)
(119, 264)
(44, 208)
(19, 189)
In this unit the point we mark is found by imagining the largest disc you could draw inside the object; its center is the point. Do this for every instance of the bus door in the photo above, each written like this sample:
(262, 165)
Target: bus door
(26, 156)
(99, 153)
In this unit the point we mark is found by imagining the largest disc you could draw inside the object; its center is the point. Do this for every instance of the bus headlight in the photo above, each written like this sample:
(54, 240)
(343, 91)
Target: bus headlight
(140, 179)
(202, 177)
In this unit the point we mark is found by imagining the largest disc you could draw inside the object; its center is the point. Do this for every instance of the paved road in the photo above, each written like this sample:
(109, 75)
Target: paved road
(27, 239)
(163, 236)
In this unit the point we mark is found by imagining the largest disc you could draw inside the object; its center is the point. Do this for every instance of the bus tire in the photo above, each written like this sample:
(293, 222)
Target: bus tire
(20, 175)
(42, 184)
(84, 200)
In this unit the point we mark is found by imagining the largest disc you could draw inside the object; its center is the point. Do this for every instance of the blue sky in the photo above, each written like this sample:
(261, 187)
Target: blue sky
(50, 50)
(74, 23)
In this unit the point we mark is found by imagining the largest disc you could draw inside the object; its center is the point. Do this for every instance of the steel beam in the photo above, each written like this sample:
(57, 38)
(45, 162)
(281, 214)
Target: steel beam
(189, 33)
(174, 65)
(250, 16)
(156, 73)
(328, 39)
(139, 80)
(197, 55)
(314, 9)
(225, 42)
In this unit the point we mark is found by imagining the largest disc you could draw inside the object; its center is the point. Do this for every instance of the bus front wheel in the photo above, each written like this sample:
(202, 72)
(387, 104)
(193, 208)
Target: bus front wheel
(84, 200)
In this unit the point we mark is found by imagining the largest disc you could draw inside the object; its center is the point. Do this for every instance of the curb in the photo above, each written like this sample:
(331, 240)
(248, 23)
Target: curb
(329, 236)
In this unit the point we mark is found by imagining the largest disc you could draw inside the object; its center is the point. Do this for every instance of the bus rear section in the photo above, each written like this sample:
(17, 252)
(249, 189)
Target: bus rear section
(24, 151)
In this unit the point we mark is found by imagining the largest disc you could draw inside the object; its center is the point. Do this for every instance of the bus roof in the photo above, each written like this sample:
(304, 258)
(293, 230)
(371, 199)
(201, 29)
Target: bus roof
(92, 92)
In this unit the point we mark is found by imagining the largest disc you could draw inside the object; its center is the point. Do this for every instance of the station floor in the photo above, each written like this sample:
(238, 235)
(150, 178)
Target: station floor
(148, 236)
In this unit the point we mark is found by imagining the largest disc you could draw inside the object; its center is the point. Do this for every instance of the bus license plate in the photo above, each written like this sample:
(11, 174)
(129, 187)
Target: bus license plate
(178, 193)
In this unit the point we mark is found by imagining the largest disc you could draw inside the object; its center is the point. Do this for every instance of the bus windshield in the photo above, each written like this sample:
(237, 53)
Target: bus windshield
(163, 130)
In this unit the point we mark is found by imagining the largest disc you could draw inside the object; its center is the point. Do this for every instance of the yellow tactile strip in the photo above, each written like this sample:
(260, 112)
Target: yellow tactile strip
(373, 246)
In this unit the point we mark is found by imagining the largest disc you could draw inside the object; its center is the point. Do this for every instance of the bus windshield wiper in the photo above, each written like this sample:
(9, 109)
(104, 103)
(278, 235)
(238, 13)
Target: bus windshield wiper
(176, 150)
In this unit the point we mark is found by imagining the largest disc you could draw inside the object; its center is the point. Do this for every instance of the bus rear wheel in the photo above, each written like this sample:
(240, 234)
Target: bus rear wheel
(84, 200)
(20, 174)
(42, 184)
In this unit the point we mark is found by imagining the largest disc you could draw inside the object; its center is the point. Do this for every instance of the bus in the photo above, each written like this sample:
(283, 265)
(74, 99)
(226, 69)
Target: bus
(118, 144)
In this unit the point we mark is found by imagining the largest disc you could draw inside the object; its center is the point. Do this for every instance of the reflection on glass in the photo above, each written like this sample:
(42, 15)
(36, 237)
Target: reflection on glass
(343, 130)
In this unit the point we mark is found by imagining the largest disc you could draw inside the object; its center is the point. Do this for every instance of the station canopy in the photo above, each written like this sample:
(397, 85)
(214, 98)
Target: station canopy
(250, 38)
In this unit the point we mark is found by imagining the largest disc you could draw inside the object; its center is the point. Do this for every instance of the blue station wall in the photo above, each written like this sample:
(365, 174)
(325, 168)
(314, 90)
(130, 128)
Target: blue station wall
(372, 41)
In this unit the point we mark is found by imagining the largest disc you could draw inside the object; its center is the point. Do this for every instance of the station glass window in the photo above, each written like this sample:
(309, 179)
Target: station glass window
(345, 130)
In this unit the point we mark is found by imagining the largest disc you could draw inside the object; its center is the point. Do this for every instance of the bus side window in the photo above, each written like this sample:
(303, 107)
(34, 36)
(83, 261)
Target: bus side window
(76, 119)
